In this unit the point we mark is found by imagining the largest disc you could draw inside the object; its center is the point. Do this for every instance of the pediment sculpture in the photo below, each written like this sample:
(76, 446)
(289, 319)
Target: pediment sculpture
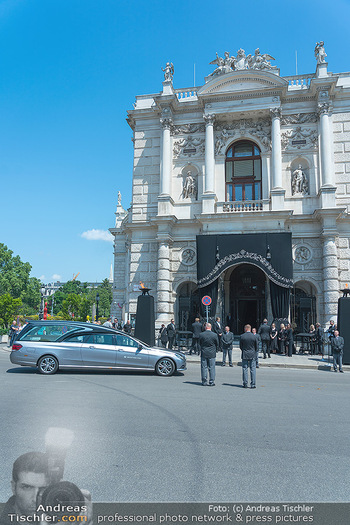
(241, 61)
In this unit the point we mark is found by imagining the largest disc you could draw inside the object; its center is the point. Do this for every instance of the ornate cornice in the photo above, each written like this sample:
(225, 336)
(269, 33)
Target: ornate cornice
(166, 123)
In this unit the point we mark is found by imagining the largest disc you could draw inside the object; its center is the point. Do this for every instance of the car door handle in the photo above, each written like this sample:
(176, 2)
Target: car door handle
(91, 347)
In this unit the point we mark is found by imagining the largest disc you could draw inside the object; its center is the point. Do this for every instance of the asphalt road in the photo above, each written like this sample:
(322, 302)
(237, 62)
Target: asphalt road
(139, 437)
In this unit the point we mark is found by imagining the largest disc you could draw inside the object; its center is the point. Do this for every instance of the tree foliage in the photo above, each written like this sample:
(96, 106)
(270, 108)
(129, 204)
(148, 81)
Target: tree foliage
(9, 309)
(14, 274)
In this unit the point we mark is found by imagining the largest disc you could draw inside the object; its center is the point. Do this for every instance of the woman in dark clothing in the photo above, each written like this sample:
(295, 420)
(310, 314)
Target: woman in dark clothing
(312, 333)
(289, 340)
(281, 336)
(163, 336)
(273, 339)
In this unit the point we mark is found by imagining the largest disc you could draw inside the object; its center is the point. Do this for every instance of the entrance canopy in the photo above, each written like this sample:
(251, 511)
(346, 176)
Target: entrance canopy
(272, 252)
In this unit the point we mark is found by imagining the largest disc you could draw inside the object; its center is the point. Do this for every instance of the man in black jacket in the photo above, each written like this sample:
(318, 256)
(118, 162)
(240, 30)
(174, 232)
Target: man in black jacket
(171, 331)
(249, 346)
(196, 331)
(227, 343)
(218, 330)
(264, 332)
(337, 344)
(209, 344)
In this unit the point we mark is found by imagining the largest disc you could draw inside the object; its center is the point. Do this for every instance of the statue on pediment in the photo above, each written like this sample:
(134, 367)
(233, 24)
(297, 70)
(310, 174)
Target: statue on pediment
(225, 65)
(168, 71)
(320, 53)
(241, 61)
(259, 61)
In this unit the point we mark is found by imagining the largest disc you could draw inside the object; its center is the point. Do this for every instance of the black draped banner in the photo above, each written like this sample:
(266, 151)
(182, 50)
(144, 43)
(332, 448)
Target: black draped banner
(271, 252)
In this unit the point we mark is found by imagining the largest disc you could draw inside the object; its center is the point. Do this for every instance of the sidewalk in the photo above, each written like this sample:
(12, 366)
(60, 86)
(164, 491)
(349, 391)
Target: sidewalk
(306, 361)
(313, 362)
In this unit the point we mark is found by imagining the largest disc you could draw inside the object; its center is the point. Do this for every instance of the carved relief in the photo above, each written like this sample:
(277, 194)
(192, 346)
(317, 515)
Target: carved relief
(184, 129)
(260, 128)
(299, 118)
(188, 147)
(302, 254)
(299, 138)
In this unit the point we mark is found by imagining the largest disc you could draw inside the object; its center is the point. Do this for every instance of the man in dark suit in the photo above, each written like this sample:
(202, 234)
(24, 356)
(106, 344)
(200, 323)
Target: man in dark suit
(171, 331)
(337, 344)
(196, 331)
(209, 344)
(227, 343)
(264, 332)
(249, 346)
(218, 330)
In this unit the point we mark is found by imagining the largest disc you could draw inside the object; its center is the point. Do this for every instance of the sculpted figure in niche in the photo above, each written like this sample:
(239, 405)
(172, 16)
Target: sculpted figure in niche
(168, 71)
(320, 53)
(299, 182)
(190, 186)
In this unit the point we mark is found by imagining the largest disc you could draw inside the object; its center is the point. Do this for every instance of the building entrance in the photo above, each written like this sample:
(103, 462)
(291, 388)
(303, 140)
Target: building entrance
(188, 306)
(247, 297)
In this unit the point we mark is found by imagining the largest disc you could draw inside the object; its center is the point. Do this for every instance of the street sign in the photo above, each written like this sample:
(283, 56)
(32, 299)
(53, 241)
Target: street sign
(206, 300)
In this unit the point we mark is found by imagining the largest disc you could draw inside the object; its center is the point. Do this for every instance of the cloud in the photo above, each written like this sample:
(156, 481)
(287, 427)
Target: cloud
(56, 277)
(97, 235)
(42, 278)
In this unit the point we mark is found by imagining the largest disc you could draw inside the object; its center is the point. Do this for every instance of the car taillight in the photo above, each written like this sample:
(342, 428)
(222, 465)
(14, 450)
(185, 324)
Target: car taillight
(16, 347)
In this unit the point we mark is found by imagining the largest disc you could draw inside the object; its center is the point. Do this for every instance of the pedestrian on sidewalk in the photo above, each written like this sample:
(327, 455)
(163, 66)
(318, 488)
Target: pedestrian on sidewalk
(259, 346)
(264, 332)
(337, 344)
(227, 343)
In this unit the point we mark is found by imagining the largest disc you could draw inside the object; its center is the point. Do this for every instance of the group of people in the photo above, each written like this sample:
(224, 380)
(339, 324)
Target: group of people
(15, 328)
(167, 335)
(117, 325)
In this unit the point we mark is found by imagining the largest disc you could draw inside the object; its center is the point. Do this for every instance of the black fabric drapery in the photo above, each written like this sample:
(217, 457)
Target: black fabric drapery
(271, 252)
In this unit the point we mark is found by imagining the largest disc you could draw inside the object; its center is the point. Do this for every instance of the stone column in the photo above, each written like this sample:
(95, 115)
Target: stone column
(165, 171)
(209, 153)
(209, 197)
(163, 282)
(276, 148)
(325, 145)
(277, 191)
(330, 277)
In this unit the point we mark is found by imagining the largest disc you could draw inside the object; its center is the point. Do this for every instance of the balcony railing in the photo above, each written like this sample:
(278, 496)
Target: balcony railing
(239, 206)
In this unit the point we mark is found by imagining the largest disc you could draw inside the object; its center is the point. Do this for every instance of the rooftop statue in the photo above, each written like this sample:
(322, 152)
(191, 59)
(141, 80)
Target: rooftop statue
(241, 61)
(168, 71)
(320, 53)
(259, 61)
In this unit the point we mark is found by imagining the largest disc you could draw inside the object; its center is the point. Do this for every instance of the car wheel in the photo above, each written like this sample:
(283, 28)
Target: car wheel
(48, 365)
(165, 367)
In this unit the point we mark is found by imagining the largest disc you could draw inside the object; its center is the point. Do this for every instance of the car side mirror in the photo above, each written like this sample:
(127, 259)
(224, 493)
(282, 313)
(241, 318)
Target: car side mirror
(140, 347)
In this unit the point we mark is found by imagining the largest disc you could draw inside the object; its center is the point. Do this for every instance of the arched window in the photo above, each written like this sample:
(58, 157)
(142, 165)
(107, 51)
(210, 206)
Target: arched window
(243, 172)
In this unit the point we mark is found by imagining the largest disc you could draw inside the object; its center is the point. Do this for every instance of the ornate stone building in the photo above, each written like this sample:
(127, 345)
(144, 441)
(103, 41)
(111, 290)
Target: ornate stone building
(241, 190)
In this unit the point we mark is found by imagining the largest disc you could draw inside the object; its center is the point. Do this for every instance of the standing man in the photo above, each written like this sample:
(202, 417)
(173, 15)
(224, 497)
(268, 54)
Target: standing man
(319, 339)
(259, 346)
(249, 347)
(264, 332)
(108, 323)
(127, 327)
(227, 343)
(171, 331)
(209, 344)
(196, 331)
(337, 344)
(217, 329)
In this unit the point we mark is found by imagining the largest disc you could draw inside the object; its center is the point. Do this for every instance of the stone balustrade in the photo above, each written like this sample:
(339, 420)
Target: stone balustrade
(187, 95)
(243, 206)
(299, 81)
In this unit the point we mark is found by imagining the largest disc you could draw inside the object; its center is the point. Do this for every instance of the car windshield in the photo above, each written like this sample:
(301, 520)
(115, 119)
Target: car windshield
(47, 332)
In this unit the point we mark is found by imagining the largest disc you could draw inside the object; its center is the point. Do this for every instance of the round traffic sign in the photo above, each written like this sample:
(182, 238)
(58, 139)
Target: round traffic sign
(206, 300)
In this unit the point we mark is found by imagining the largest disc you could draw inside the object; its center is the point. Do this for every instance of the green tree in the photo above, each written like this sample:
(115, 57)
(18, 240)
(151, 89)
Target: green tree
(70, 287)
(105, 297)
(71, 306)
(31, 296)
(84, 308)
(9, 309)
(14, 274)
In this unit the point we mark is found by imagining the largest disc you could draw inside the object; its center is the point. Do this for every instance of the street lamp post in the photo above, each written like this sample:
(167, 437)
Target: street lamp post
(97, 301)
(42, 294)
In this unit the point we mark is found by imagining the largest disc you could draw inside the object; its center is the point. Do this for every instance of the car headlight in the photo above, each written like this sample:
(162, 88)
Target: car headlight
(180, 356)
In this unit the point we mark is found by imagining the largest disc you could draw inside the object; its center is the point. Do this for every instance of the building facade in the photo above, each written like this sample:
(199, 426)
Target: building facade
(241, 191)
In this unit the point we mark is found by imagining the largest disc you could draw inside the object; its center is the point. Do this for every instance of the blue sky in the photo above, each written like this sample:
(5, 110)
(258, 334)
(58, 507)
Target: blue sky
(70, 70)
